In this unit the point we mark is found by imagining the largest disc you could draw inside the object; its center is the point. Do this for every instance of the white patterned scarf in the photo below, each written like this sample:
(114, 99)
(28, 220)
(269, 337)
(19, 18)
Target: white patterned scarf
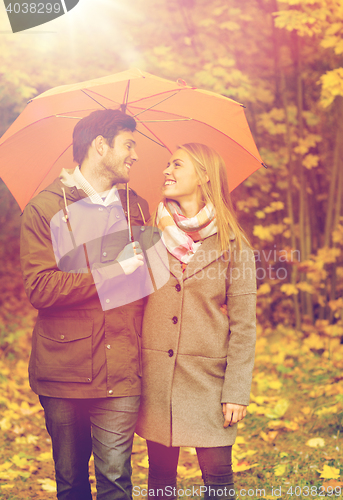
(181, 235)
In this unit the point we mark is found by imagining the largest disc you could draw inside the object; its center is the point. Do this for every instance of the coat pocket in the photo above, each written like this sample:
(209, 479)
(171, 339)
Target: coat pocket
(64, 349)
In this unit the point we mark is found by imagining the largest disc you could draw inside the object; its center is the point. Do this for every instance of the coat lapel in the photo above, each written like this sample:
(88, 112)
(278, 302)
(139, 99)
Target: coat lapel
(207, 253)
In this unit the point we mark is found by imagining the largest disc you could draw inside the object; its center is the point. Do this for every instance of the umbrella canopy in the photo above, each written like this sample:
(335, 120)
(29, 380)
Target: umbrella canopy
(38, 144)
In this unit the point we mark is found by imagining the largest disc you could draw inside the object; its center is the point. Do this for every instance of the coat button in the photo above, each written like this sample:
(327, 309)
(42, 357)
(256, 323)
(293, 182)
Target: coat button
(108, 346)
(170, 353)
(62, 337)
(178, 287)
(110, 391)
(175, 320)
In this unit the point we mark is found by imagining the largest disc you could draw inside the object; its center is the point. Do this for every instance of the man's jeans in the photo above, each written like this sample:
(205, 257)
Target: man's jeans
(78, 426)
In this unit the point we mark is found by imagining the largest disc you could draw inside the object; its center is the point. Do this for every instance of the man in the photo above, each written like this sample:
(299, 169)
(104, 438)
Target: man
(77, 262)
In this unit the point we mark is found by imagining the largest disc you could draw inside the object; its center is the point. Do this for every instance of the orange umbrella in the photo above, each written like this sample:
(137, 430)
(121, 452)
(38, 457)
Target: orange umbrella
(39, 143)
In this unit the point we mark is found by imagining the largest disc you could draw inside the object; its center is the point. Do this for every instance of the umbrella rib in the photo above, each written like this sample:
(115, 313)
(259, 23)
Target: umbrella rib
(175, 120)
(151, 132)
(153, 140)
(159, 142)
(126, 97)
(144, 110)
(93, 99)
(63, 116)
(51, 167)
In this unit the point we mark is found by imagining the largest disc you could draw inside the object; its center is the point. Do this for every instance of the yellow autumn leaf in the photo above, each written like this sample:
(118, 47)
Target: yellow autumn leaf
(327, 411)
(9, 475)
(337, 234)
(275, 384)
(243, 454)
(268, 438)
(187, 472)
(279, 409)
(274, 207)
(242, 466)
(264, 289)
(240, 440)
(5, 466)
(31, 439)
(8, 486)
(275, 424)
(332, 85)
(25, 409)
(20, 440)
(291, 426)
(5, 424)
(279, 470)
(191, 451)
(314, 341)
(267, 233)
(305, 287)
(328, 255)
(47, 485)
(144, 463)
(334, 330)
(310, 161)
(141, 475)
(306, 410)
(260, 214)
(20, 462)
(44, 457)
(316, 442)
(329, 472)
(289, 289)
(254, 408)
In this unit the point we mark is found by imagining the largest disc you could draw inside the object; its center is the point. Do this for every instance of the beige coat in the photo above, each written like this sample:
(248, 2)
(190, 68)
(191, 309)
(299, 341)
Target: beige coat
(194, 356)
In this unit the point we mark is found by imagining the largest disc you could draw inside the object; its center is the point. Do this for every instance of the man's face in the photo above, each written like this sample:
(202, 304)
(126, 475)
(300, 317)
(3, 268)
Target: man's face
(118, 159)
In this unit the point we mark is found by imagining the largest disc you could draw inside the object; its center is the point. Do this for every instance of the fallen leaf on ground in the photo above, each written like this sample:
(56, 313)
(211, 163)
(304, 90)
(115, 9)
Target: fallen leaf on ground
(315, 442)
(47, 485)
(280, 469)
(329, 472)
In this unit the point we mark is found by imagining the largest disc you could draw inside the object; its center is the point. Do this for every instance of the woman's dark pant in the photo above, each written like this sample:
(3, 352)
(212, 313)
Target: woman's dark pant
(215, 465)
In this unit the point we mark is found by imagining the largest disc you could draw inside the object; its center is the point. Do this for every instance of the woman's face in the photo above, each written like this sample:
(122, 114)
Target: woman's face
(181, 181)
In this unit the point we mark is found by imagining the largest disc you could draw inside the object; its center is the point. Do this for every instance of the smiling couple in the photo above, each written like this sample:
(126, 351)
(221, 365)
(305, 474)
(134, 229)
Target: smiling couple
(180, 377)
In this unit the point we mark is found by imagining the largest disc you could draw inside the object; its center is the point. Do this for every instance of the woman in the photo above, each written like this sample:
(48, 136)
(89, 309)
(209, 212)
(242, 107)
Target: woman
(197, 361)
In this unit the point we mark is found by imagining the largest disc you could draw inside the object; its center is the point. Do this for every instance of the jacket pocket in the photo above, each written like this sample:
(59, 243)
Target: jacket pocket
(64, 349)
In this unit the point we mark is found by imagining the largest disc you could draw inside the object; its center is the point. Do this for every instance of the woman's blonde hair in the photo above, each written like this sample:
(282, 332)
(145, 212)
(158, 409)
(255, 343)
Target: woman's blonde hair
(210, 168)
(207, 162)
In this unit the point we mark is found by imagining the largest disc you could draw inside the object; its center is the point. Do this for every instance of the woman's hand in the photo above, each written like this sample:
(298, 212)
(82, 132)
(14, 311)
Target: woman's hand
(233, 413)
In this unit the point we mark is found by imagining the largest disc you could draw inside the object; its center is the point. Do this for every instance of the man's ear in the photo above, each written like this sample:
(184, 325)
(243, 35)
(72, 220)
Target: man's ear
(99, 144)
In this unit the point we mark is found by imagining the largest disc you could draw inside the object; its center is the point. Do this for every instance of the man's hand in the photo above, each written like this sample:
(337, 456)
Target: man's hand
(233, 413)
(131, 258)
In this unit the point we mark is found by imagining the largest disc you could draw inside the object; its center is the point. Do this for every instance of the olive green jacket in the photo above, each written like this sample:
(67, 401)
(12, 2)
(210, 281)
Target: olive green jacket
(79, 350)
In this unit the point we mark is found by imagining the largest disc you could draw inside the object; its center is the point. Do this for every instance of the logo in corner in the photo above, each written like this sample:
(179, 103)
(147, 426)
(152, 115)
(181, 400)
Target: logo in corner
(24, 15)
